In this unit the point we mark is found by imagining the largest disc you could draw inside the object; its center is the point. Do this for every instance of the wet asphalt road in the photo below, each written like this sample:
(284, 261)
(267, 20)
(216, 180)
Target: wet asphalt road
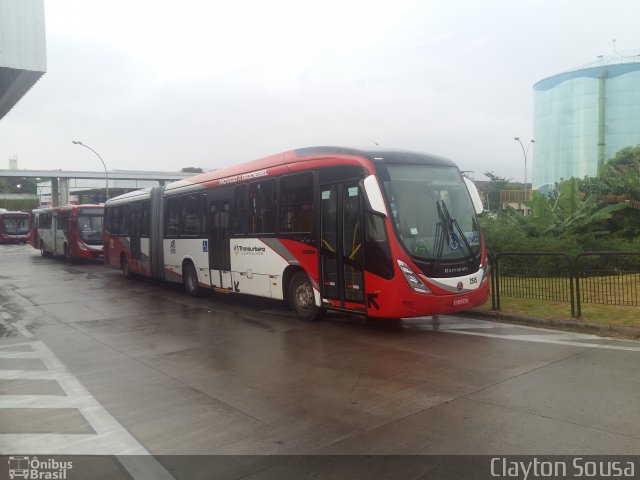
(92, 363)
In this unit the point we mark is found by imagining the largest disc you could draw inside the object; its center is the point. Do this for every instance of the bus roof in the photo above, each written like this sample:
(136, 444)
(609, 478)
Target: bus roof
(291, 161)
(131, 196)
(295, 159)
(12, 212)
(66, 208)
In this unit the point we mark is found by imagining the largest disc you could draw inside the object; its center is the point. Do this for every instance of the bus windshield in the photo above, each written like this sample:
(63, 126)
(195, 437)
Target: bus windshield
(90, 228)
(432, 212)
(15, 224)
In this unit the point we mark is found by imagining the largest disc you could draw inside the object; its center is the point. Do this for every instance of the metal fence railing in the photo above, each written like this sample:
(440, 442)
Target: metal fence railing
(536, 276)
(607, 278)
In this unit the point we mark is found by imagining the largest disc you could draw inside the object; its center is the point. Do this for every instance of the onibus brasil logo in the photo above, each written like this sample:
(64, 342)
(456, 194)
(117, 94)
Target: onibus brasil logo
(36, 469)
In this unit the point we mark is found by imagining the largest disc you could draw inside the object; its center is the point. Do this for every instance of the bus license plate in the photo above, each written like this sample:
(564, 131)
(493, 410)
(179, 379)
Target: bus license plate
(460, 301)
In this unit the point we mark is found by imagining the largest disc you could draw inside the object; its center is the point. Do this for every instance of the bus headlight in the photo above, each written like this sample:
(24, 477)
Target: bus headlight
(412, 278)
(81, 245)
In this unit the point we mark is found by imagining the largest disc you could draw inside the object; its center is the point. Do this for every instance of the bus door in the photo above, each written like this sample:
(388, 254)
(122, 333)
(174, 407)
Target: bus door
(341, 246)
(219, 249)
(61, 231)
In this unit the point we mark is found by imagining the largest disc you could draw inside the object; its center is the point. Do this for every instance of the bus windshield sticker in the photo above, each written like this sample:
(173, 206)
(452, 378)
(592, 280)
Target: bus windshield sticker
(326, 195)
(353, 191)
(414, 231)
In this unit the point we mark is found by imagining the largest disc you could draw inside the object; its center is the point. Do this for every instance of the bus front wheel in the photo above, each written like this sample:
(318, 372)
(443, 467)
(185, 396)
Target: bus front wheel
(43, 252)
(190, 280)
(302, 298)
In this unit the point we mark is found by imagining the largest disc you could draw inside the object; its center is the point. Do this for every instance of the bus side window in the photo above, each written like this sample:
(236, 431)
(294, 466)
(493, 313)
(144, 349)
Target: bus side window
(124, 220)
(377, 251)
(172, 216)
(115, 220)
(203, 214)
(296, 203)
(239, 211)
(63, 222)
(190, 215)
(267, 206)
(144, 223)
(262, 207)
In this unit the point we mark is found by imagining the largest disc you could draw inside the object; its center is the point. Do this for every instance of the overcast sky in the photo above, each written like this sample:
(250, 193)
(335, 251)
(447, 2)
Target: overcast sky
(161, 85)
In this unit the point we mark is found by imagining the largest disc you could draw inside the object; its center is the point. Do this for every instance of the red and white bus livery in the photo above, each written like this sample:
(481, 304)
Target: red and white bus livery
(14, 227)
(384, 233)
(73, 231)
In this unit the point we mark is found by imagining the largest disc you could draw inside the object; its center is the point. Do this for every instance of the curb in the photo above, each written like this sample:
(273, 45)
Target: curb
(597, 328)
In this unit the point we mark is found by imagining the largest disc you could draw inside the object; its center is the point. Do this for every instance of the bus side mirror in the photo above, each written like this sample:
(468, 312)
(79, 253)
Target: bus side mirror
(373, 196)
(475, 196)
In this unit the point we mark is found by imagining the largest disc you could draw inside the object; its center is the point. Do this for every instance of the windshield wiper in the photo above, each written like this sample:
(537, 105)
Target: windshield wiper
(454, 223)
(446, 228)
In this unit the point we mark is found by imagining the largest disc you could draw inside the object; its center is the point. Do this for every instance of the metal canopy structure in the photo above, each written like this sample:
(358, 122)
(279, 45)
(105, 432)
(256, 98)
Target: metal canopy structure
(113, 174)
(60, 185)
(22, 49)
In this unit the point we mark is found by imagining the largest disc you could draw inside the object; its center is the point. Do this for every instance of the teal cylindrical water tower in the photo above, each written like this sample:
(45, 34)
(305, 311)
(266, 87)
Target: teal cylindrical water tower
(583, 117)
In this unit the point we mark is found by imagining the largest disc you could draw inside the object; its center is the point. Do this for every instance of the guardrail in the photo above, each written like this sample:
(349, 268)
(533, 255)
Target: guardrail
(607, 278)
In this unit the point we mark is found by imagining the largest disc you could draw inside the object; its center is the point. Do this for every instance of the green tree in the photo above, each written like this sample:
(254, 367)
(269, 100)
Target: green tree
(620, 178)
(492, 193)
(569, 214)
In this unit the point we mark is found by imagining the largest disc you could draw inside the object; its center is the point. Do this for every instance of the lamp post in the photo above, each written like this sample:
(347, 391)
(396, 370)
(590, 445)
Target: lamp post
(17, 187)
(106, 174)
(525, 153)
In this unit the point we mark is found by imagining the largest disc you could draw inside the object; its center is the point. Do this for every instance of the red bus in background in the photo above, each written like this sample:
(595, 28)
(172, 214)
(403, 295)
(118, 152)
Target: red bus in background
(73, 231)
(383, 233)
(14, 226)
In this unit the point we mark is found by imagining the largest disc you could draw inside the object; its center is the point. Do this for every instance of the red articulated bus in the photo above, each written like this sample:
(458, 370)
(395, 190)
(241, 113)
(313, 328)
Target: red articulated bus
(383, 233)
(14, 227)
(73, 231)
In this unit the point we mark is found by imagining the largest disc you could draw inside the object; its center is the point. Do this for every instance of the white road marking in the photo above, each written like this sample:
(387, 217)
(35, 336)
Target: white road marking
(20, 326)
(462, 326)
(552, 339)
(110, 438)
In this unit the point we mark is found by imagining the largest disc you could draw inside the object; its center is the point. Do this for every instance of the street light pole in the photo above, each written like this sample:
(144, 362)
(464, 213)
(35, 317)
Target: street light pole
(525, 152)
(106, 174)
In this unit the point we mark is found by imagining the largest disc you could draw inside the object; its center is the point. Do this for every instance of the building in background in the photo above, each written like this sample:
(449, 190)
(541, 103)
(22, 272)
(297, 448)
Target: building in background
(22, 49)
(87, 190)
(584, 116)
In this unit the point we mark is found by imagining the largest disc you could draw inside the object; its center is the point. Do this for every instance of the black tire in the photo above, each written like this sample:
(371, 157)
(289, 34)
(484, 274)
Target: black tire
(43, 252)
(124, 266)
(67, 257)
(190, 280)
(302, 298)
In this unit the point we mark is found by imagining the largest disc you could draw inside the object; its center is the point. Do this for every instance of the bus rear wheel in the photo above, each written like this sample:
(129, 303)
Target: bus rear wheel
(302, 299)
(67, 256)
(190, 280)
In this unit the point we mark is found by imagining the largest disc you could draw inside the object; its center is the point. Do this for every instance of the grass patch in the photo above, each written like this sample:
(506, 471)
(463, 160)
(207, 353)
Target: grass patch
(616, 298)
(602, 314)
